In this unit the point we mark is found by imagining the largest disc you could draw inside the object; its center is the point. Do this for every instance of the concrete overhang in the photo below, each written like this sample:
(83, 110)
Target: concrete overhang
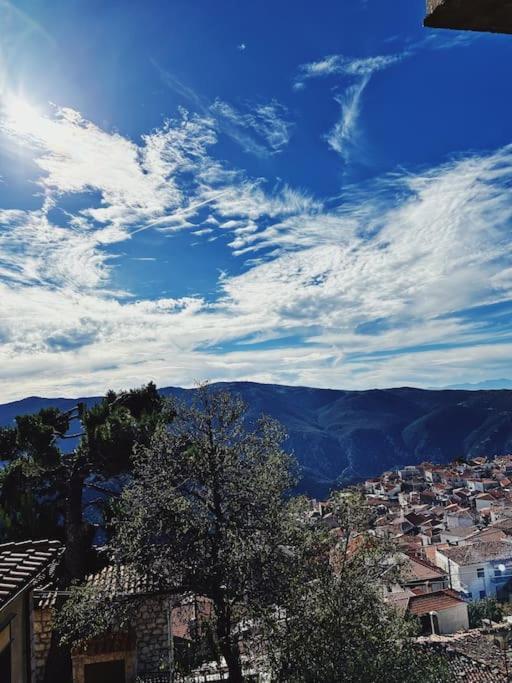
(470, 15)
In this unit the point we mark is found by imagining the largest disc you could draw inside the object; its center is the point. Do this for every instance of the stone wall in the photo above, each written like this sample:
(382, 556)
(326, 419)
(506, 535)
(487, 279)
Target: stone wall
(150, 627)
(152, 635)
(42, 621)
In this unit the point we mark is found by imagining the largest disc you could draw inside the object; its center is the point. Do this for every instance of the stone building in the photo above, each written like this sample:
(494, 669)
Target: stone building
(22, 565)
(142, 651)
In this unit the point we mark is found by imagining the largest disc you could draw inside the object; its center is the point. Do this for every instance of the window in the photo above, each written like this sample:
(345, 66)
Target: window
(480, 572)
(482, 595)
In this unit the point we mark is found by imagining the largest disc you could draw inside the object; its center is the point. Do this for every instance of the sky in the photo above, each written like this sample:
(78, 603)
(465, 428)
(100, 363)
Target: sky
(290, 192)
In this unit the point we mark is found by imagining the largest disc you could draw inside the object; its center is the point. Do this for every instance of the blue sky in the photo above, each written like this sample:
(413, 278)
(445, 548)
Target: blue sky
(287, 192)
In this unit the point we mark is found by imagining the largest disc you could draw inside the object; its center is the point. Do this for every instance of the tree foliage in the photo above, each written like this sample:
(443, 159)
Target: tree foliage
(333, 624)
(42, 488)
(205, 510)
(487, 608)
(208, 513)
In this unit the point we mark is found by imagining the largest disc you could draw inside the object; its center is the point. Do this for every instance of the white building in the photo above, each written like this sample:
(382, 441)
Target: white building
(440, 612)
(479, 570)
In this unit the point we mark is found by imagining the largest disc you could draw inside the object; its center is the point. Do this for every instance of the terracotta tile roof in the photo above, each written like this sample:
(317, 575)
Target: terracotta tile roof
(122, 580)
(472, 656)
(433, 602)
(461, 531)
(417, 519)
(399, 600)
(505, 524)
(416, 569)
(22, 563)
(488, 534)
(479, 552)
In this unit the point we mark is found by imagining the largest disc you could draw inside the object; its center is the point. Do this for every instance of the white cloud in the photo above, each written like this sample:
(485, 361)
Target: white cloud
(344, 137)
(130, 186)
(266, 121)
(260, 129)
(389, 270)
(340, 64)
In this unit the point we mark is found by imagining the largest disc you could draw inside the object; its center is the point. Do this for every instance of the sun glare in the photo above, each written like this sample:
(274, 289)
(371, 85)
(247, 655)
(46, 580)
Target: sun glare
(21, 114)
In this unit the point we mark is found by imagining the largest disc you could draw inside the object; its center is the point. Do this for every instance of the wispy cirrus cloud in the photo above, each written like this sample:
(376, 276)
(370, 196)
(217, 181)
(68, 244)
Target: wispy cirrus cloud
(369, 289)
(260, 128)
(129, 186)
(344, 137)
(268, 122)
(340, 64)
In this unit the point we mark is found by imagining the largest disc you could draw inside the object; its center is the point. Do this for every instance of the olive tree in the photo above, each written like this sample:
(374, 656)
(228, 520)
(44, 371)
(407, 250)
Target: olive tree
(205, 511)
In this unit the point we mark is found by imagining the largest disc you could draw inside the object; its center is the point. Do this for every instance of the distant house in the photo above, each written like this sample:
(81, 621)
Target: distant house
(481, 485)
(458, 534)
(439, 612)
(455, 516)
(419, 573)
(479, 570)
(22, 566)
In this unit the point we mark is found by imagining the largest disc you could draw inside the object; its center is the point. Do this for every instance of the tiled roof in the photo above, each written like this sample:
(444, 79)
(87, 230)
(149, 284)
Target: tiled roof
(433, 602)
(472, 656)
(488, 534)
(399, 600)
(416, 569)
(22, 563)
(505, 524)
(479, 552)
(461, 531)
(123, 580)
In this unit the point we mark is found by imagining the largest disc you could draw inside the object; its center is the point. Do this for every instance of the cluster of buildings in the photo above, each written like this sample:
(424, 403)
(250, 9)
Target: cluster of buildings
(455, 520)
(452, 527)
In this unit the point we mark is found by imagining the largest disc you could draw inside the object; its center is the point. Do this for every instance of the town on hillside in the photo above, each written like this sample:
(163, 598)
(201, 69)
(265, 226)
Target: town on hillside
(452, 527)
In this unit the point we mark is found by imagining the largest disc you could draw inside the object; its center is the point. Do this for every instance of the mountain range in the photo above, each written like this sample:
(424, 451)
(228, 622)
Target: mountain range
(341, 436)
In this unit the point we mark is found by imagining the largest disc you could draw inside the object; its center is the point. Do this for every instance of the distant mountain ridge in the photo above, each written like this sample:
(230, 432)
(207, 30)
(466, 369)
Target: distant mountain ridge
(485, 384)
(343, 436)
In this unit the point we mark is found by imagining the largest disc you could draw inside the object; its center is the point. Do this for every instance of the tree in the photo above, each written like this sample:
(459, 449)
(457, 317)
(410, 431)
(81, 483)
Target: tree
(204, 511)
(207, 513)
(333, 624)
(50, 482)
(487, 608)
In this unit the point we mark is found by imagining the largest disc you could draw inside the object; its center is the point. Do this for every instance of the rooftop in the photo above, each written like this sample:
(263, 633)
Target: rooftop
(473, 656)
(117, 580)
(416, 569)
(434, 602)
(22, 563)
(481, 551)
